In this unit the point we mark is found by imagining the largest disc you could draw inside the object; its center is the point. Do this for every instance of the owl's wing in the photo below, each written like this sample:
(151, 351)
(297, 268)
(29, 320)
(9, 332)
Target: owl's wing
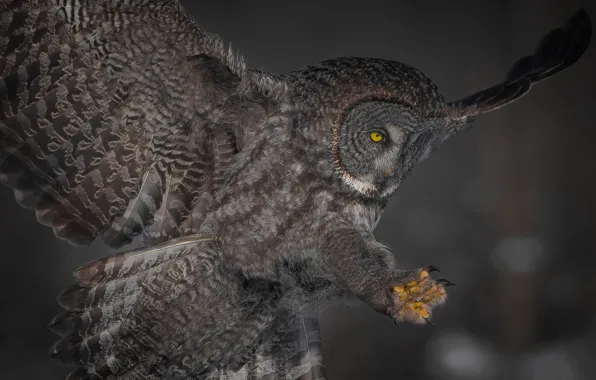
(558, 50)
(294, 352)
(116, 303)
(145, 313)
(117, 117)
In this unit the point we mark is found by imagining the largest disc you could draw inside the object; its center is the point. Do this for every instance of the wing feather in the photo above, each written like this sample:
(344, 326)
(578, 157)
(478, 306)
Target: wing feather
(558, 50)
(100, 319)
(108, 112)
(143, 314)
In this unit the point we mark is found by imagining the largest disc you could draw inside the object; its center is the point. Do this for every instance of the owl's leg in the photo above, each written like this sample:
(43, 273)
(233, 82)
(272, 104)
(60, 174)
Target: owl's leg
(358, 263)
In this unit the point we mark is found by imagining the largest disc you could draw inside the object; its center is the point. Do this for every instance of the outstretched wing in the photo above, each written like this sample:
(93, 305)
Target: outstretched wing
(116, 117)
(558, 50)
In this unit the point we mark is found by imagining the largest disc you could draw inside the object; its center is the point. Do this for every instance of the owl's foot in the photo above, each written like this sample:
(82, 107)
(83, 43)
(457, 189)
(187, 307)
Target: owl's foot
(414, 300)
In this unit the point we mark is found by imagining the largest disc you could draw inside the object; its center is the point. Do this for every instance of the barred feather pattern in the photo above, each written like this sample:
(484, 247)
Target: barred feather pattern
(107, 289)
(141, 315)
(294, 352)
(97, 114)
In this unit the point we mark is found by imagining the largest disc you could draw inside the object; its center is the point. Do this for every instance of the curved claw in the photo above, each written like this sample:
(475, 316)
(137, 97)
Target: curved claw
(429, 321)
(445, 282)
(432, 268)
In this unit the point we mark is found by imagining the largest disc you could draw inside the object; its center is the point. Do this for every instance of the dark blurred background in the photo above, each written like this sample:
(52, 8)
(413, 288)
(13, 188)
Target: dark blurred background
(507, 210)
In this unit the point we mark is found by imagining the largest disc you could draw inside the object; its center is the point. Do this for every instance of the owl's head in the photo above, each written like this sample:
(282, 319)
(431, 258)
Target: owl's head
(378, 118)
(376, 142)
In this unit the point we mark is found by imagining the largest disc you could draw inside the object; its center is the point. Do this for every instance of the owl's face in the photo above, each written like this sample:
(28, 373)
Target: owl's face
(378, 142)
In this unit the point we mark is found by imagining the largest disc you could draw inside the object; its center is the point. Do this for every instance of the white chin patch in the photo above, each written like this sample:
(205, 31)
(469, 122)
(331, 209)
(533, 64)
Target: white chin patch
(360, 186)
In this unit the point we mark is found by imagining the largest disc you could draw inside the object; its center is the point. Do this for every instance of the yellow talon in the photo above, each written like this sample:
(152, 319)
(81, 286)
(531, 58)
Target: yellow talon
(398, 289)
(415, 299)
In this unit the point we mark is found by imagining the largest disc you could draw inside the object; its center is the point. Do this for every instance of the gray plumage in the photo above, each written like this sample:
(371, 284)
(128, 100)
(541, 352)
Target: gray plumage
(254, 195)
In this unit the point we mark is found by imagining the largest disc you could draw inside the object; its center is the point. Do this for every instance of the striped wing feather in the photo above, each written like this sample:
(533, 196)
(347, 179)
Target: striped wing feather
(106, 107)
(105, 317)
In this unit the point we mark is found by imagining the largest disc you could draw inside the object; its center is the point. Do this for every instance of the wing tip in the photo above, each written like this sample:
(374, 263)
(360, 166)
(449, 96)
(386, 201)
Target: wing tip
(80, 373)
(61, 351)
(88, 274)
(59, 325)
(581, 24)
(580, 16)
(558, 50)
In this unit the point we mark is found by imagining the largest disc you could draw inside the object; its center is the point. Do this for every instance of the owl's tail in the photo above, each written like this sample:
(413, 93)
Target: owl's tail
(294, 351)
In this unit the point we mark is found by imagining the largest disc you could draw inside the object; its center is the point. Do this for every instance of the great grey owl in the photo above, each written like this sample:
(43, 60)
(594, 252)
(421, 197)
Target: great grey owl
(254, 195)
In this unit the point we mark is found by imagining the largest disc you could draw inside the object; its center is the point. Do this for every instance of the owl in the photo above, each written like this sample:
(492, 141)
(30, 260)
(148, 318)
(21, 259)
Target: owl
(254, 196)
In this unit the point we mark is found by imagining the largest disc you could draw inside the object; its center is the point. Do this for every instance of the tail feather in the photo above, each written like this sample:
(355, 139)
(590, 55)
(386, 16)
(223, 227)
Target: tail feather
(293, 353)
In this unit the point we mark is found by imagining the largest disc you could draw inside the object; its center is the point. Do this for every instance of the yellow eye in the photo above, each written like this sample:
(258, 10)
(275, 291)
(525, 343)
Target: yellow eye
(376, 137)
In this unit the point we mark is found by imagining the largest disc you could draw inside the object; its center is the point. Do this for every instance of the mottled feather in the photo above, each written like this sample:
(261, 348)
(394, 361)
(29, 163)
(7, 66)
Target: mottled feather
(106, 126)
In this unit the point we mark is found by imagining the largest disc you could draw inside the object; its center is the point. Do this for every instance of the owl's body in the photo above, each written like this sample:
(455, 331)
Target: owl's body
(255, 195)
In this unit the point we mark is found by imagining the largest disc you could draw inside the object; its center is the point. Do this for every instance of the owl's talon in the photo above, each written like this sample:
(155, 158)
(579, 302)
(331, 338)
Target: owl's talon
(432, 268)
(414, 299)
(446, 282)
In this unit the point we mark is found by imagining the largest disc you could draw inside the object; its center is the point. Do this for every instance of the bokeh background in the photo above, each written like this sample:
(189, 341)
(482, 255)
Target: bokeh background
(507, 210)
